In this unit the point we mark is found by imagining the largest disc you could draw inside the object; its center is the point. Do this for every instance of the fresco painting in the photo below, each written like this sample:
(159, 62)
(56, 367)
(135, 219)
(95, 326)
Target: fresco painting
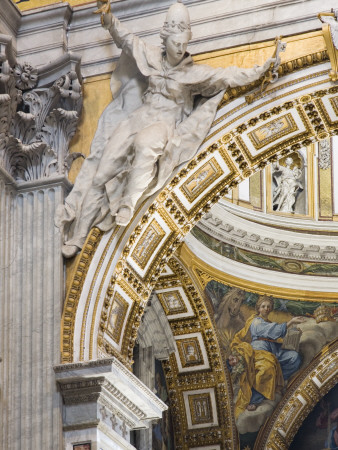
(266, 342)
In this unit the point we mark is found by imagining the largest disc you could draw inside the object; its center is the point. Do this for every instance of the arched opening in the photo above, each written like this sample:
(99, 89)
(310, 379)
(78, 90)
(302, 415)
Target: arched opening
(119, 270)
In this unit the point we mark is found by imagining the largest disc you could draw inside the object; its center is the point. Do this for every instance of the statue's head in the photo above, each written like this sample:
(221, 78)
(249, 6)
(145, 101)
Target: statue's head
(176, 32)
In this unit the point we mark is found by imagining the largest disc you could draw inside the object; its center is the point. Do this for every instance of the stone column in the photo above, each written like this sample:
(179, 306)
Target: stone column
(38, 117)
(103, 402)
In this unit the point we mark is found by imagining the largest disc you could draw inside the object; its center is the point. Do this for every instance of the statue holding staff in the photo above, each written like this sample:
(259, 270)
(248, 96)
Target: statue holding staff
(163, 108)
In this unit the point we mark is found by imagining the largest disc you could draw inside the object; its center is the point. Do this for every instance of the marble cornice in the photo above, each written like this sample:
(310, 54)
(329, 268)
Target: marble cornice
(107, 388)
(214, 28)
(47, 17)
(218, 227)
(279, 223)
(108, 367)
(10, 18)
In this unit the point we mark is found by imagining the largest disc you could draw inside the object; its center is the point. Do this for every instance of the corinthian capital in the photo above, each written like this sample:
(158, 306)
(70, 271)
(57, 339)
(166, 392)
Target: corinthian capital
(39, 111)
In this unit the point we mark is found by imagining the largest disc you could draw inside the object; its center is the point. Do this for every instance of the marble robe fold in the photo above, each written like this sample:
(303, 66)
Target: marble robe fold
(145, 90)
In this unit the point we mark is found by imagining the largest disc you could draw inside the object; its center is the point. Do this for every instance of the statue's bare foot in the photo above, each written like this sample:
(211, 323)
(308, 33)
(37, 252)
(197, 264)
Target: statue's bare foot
(123, 216)
(69, 251)
(251, 407)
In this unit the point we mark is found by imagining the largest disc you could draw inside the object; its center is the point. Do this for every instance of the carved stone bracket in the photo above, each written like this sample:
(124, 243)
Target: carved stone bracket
(38, 115)
(103, 402)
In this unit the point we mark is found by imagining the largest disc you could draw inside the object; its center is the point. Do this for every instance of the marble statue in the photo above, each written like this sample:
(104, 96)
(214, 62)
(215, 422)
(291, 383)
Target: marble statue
(163, 107)
(288, 184)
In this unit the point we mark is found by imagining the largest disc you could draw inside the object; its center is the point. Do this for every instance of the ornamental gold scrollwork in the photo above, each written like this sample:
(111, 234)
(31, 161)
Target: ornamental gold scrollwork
(179, 221)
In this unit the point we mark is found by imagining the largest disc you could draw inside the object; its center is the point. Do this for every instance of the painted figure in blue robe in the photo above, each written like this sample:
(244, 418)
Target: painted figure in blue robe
(267, 336)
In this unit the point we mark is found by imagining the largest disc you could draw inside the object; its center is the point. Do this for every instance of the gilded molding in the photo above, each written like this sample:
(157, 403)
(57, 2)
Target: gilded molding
(284, 69)
(74, 293)
(215, 378)
(203, 273)
(304, 393)
(168, 206)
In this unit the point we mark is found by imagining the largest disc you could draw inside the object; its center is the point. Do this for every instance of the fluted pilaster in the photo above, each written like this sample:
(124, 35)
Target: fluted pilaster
(31, 303)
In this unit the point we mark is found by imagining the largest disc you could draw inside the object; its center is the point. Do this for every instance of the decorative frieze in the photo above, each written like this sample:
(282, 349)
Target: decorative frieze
(220, 230)
(324, 161)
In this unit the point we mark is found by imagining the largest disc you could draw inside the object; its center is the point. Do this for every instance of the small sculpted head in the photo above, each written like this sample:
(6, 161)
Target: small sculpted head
(176, 33)
(264, 306)
(288, 161)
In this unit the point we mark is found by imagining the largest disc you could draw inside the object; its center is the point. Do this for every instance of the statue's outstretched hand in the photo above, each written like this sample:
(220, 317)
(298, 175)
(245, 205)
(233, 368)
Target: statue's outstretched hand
(268, 65)
(103, 8)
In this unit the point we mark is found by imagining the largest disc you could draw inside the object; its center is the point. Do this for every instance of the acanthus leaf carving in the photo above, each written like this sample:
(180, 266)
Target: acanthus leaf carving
(36, 126)
(30, 162)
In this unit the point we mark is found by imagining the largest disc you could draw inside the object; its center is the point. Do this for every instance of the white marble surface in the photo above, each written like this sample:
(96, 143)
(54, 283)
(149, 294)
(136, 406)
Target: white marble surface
(31, 292)
(216, 24)
(258, 275)
(104, 401)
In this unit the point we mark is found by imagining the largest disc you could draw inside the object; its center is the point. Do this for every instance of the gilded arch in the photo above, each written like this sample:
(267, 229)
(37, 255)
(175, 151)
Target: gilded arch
(122, 268)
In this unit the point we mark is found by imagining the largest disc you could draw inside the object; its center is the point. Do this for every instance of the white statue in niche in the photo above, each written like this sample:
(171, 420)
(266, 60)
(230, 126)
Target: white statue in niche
(163, 107)
(288, 185)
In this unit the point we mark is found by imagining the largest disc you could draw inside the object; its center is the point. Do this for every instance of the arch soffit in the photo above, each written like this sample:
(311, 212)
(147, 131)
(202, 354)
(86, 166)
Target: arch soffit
(300, 109)
(122, 267)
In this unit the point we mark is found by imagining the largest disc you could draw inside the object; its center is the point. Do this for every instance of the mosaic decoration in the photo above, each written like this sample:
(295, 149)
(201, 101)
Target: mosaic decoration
(172, 302)
(235, 314)
(190, 352)
(147, 244)
(117, 316)
(201, 179)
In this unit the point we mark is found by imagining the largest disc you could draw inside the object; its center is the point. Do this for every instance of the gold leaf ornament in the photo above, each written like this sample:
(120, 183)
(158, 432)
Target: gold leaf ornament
(103, 8)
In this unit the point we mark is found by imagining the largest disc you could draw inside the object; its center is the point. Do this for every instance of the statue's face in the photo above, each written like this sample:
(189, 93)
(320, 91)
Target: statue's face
(176, 47)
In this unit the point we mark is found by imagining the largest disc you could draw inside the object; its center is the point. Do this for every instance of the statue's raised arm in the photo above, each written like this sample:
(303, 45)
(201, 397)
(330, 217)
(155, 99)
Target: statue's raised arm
(145, 133)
